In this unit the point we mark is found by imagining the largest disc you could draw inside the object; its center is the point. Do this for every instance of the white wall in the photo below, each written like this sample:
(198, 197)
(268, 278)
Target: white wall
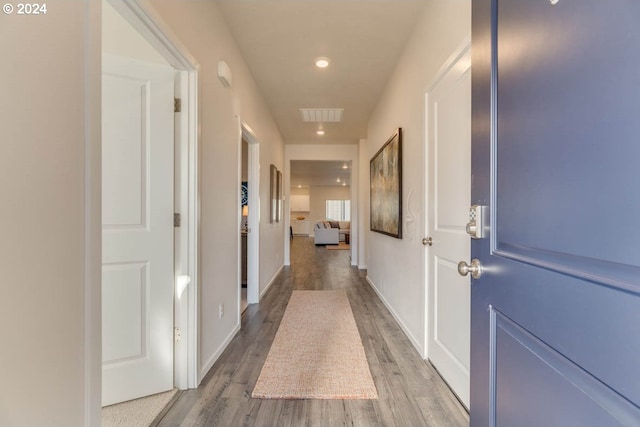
(294, 214)
(395, 267)
(318, 200)
(202, 29)
(49, 250)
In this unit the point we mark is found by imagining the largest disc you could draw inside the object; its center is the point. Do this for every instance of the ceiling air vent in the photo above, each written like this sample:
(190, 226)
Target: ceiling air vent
(323, 115)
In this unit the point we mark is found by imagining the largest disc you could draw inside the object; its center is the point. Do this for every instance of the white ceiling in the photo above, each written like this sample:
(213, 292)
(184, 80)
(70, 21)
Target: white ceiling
(280, 40)
(311, 173)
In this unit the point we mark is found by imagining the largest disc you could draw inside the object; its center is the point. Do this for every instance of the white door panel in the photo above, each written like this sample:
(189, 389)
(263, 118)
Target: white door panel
(137, 211)
(449, 189)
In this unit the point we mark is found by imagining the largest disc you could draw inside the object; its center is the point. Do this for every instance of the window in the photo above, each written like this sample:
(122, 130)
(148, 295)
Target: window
(339, 210)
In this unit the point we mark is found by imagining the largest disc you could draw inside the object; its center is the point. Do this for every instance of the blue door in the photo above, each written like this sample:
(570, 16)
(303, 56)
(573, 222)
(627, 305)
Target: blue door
(555, 320)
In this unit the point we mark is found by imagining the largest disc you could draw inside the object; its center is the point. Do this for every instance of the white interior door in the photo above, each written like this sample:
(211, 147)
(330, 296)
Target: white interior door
(137, 229)
(449, 192)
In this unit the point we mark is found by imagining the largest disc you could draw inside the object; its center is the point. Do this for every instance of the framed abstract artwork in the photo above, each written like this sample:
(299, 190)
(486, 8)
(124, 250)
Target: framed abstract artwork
(385, 171)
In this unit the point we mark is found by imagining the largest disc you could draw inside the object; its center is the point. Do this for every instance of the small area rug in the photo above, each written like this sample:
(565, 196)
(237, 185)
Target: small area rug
(339, 247)
(317, 352)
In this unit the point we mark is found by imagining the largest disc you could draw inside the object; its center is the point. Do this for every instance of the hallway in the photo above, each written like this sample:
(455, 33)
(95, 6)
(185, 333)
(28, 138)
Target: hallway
(411, 393)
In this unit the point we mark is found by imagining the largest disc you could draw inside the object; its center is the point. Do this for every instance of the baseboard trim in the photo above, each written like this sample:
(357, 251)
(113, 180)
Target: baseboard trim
(404, 327)
(273, 279)
(212, 360)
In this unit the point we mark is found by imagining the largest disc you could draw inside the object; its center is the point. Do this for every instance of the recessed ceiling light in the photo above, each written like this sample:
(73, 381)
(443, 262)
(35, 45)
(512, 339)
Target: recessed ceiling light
(345, 166)
(338, 180)
(344, 184)
(320, 132)
(322, 62)
(299, 186)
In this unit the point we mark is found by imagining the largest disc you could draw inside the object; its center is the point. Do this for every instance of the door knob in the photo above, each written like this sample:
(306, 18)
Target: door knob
(471, 228)
(427, 241)
(475, 268)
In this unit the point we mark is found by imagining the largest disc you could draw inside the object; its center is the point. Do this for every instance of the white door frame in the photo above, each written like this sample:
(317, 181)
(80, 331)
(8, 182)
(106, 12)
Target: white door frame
(342, 153)
(148, 23)
(253, 220)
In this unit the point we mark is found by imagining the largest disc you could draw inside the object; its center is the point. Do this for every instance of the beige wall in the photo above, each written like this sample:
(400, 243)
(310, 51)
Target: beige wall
(201, 28)
(319, 196)
(395, 266)
(50, 262)
(299, 191)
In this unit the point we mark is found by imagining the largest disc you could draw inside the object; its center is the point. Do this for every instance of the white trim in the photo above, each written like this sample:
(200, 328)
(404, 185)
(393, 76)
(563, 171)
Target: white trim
(214, 358)
(150, 25)
(273, 279)
(193, 229)
(363, 202)
(451, 61)
(404, 327)
(253, 236)
(146, 21)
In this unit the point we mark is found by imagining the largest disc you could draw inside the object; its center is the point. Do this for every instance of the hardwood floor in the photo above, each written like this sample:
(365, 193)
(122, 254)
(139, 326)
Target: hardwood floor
(410, 391)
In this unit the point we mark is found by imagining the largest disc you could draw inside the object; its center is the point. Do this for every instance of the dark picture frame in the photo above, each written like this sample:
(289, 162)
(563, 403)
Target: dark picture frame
(385, 172)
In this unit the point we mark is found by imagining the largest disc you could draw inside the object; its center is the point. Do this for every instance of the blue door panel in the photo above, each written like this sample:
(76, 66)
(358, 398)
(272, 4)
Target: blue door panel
(562, 126)
(594, 326)
(555, 316)
(564, 394)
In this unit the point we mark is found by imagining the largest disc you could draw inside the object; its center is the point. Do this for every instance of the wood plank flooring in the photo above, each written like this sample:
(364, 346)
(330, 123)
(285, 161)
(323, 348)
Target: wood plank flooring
(410, 391)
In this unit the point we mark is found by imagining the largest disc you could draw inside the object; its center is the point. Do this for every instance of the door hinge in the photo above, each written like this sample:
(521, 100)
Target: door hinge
(177, 105)
(176, 220)
(177, 335)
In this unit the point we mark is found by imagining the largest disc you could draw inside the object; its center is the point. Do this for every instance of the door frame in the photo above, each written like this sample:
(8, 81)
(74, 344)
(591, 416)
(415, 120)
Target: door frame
(458, 52)
(342, 153)
(148, 23)
(253, 220)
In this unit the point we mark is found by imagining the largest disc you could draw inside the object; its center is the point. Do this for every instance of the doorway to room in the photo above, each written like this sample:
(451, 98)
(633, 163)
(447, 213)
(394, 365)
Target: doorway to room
(337, 153)
(320, 196)
(249, 214)
(142, 59)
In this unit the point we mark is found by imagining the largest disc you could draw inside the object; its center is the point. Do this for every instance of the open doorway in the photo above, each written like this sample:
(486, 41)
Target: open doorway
(321, 195)
(135, 42)
(244, 223)
(249, 214)
(341, 154)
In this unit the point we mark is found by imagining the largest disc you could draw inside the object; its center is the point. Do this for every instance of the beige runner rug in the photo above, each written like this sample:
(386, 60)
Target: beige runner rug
(317, 352)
